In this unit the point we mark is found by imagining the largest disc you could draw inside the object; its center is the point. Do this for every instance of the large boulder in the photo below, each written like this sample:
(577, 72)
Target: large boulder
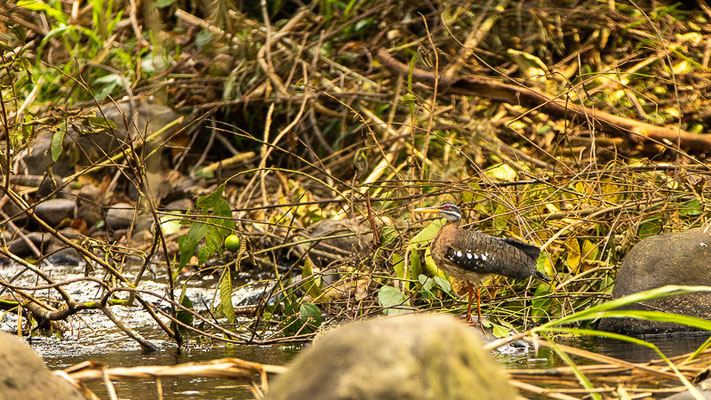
(679, 258)
(413, 357)
(24, 376)
(87, 147)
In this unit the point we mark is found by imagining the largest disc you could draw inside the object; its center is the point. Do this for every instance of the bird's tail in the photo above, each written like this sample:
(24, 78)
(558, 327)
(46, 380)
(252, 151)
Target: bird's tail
(542, 276)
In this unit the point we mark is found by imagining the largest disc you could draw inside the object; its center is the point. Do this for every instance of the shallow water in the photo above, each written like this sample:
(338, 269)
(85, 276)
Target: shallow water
(91, 336)
(524, 358)
(184, 388)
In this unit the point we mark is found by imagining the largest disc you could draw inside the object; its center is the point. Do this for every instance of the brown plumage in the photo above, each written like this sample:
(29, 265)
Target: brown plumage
(472, 256)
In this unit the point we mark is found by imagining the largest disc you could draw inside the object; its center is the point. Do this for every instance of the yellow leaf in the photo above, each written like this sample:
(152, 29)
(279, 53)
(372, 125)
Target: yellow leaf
(502, 173)
(590, 250)
(573, 258)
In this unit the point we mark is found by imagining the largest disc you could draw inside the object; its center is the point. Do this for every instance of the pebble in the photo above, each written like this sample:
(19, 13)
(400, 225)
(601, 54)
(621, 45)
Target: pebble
(54, 211)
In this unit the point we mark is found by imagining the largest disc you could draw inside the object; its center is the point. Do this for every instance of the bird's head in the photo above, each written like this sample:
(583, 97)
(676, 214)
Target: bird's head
(444, 210)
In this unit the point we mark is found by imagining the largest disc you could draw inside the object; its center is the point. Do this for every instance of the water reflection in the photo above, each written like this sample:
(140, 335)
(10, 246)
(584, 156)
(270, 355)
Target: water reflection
(197, 388)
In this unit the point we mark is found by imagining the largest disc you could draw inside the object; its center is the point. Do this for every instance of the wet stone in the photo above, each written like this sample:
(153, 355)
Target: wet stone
(90, 209)
(21, 248)
(677, 258)
(65, 256)
(24, 376)
(119, 216)
(54, 211)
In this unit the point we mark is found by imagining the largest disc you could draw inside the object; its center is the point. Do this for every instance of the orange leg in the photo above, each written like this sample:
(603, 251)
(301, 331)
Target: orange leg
(469, 306)
(478, 305)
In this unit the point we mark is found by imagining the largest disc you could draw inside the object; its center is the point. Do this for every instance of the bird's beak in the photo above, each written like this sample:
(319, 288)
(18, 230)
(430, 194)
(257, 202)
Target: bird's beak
(426, 210)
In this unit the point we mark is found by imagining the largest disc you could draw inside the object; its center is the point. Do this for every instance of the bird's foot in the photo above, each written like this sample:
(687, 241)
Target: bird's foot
(474, 321)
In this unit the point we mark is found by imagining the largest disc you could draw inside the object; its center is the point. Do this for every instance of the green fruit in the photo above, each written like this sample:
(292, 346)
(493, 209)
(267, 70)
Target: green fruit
(232, 243)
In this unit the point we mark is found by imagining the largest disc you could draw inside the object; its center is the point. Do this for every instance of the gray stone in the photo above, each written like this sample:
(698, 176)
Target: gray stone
(341, 239)
(90, 146)
(120, 216)
(24, 376)
(179, 205)
(54, 211)
(65, 256)
(413, 357)
(90, 210)
(704, 387)
(21, 248)
(679, 258)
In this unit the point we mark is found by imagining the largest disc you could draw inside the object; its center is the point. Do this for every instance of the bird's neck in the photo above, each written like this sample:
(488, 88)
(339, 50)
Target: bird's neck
(447, 233)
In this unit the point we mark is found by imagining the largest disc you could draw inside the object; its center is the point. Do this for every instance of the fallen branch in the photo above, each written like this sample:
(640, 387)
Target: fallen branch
(555, 107)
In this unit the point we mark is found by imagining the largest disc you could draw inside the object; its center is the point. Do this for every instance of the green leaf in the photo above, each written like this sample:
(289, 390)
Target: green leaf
(101, 122)
(690, 208)
(106, 85)
(184, 316)
(57, 143)
(431, 266)
(649, 228)
(309, 310)
(34, 5)
(443, 284)
(163, 3)
(425, 236)
(500, 331)
(388, 297)
(388, 235)
(502, 173)
(226, 306)
(415, 265)
(399, 265)
(426, 282)
(188, 244)
(573, 259)
(312, 283)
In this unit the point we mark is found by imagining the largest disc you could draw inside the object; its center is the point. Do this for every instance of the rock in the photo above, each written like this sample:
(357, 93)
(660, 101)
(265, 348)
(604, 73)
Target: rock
(412, 357)
(119, 216)
(21, 248)
(55, 211)
(704, 387)
(45, 184)
(24, 376)
(65, 256)
(356, 244)
(90, 209)
(679, 258)
(16, 214)
(82, 148)
(179, 205)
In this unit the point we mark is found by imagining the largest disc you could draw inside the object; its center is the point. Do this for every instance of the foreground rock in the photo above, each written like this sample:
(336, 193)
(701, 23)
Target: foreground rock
(24, 376)
(679, 258)
(704, 387)
(408, 357)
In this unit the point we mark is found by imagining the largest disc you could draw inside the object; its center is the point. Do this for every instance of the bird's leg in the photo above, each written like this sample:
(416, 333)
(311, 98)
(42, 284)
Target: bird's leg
(469, 306)
(478, 306)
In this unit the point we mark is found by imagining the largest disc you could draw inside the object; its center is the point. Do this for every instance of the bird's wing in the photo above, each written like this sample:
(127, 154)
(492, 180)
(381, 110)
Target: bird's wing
(480, 253)
(476, 252)
(531, 250)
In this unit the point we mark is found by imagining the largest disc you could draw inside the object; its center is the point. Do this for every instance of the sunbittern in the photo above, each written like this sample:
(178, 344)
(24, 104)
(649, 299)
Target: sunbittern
(472, 256)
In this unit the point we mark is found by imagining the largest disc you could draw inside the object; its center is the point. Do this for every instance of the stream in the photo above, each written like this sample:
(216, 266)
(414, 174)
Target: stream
(91, 336)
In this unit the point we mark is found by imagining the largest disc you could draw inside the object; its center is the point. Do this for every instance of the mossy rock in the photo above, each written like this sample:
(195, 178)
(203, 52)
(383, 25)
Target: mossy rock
(677, 258)
(405, 357)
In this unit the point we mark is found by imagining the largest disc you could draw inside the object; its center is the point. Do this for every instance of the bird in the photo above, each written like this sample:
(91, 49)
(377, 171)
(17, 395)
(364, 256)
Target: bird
(472, 256)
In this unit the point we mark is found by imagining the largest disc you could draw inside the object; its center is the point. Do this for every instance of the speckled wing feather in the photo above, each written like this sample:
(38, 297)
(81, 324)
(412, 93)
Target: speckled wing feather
(480, 253)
